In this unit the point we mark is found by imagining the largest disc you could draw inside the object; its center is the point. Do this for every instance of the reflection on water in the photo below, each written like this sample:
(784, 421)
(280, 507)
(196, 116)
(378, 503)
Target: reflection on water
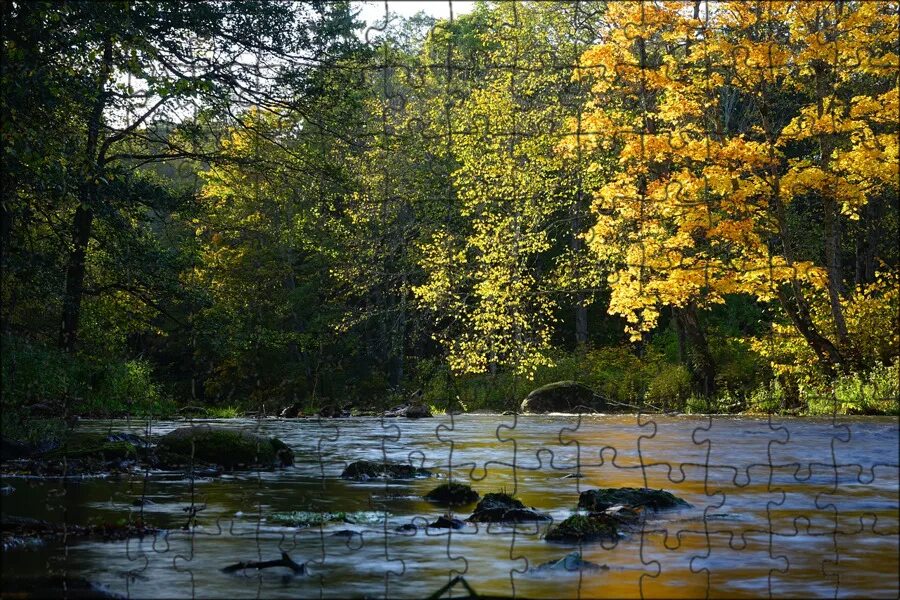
(794, 507)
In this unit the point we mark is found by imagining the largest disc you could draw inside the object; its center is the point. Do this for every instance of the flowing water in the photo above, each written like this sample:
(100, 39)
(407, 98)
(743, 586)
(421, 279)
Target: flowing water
(789, 507)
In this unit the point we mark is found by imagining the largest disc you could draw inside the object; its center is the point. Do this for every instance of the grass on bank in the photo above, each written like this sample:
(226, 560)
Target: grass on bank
(41, 385)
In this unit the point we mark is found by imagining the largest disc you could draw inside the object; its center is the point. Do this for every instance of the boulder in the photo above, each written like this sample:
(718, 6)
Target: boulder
(97, 448)
(293, 411)
(452, 494)
(503, 508)
(561, 396)
(410, 411)
(584, 528)
(447, 522)
(366, 469)
(605, 498)
(333, 412)
(229, 448)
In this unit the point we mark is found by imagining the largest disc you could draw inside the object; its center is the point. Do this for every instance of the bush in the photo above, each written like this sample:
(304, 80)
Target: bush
(36, 376)
(872, 393)
(670, 389)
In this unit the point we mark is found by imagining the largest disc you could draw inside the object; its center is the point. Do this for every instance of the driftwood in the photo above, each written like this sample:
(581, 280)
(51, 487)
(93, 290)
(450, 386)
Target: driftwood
(284, 561)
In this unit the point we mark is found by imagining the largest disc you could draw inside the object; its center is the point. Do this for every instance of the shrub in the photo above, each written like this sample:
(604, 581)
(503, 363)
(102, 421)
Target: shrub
(670, 389)
(871, 393)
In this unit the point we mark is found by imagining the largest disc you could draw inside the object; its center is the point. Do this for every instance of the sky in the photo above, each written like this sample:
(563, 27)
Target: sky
(373, 11)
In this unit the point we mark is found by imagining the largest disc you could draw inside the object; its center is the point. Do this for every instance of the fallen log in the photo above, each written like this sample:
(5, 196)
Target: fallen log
(284, 561)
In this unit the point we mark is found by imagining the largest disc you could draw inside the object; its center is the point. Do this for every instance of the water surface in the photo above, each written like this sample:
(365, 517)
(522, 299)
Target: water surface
(786, 507)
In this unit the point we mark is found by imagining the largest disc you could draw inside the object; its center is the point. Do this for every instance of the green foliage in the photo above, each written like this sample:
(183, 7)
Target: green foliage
(871, 393)
(63, 384)
(670, 389)
(224, 412)
(335, 245)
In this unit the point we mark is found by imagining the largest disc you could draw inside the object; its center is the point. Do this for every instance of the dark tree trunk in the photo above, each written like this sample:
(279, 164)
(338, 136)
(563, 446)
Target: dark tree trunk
(84, 214)
(700, 361)
(829, 356)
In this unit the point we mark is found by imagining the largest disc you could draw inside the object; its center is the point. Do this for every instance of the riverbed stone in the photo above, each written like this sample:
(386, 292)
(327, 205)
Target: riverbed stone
(504, 508)
(229, 448)
(570, 562)
(601, 499)
(452, 494)
(410, 411)
(363, 470)
(447, 522)
(561, 396)
(584, 528)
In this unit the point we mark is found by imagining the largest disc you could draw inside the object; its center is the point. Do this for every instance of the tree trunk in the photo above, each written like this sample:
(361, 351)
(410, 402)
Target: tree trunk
(829, 356)
(833, 266)
(84, 214)
(700, 361)
(831, 220)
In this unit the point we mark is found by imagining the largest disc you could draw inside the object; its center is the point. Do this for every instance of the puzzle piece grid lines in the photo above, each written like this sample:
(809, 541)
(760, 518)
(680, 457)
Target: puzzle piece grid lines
(767, 505)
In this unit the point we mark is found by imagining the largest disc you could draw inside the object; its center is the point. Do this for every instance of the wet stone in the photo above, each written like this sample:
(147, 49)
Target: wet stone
(570, 562)
(447, 522)
(363, 470)
(452, 494)
(601, 499)
(584, 528)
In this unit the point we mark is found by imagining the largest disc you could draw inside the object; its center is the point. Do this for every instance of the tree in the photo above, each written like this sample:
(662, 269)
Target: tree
(725, 139)
(497, 277)
(129, 65)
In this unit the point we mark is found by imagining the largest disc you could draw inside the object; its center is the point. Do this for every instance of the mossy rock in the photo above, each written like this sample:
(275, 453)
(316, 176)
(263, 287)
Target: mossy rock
(584, 528)
(504, 508)
(496, 500)
(452, 494)
(93, 447)
(229, 448)
(601, 499)
(107, 451)
(366, 469)
(561, 396)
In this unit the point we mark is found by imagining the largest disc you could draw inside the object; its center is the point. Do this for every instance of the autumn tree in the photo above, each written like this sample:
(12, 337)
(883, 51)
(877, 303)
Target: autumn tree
(734, 121)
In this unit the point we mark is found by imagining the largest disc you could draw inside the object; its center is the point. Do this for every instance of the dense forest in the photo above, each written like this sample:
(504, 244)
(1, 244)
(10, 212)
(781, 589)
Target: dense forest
(245, 205)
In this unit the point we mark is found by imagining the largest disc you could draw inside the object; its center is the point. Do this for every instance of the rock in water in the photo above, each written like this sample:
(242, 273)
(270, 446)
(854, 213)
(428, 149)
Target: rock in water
(367, 469)
(584, 528)
(230, 448)
(447, 522)
(503, 508)
(410, 411)
(561, 396)
(570, 562)
(601, 499)
(452, 494)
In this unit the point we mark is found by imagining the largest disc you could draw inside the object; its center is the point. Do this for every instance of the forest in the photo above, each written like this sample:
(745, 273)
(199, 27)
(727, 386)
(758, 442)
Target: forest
(248, 205)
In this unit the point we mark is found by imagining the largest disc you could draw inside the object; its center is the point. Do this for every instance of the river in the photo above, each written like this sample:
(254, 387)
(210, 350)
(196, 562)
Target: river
(780, 507)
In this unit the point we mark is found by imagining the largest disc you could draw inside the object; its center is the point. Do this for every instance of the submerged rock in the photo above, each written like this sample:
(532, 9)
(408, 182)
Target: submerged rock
(569, 562)
(229, 448)
(584, 528)
(503, 508)
(366, 469)
(562, 396)
(604, 498)
(306, 518)
(452, 494)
